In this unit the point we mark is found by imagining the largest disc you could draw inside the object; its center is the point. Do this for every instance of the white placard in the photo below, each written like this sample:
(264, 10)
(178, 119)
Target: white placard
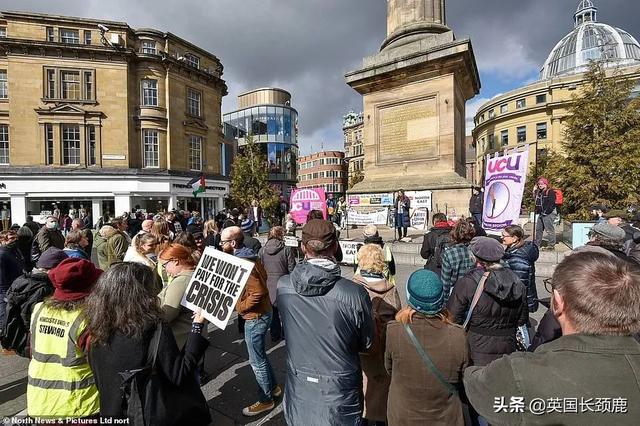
(216, 285)
(349, 251)
(419, 199)
(378, 217)
(419, 218)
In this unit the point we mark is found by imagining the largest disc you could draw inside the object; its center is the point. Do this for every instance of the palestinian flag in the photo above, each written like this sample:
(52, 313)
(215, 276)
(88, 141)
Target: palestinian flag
(198, 185)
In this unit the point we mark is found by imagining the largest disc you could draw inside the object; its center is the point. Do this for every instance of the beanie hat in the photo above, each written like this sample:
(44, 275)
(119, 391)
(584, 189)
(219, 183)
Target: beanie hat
(608, 231)
(73, 279)
(616, 213)
(370, 231)
(485, 248)
(247, 225)
(425, 293)
(51, 258)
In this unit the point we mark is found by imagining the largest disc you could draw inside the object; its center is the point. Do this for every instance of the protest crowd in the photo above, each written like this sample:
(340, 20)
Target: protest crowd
(114, 339)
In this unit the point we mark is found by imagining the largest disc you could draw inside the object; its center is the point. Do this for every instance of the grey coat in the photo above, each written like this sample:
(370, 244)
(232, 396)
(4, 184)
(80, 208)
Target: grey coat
(327, 321)
(278, 260)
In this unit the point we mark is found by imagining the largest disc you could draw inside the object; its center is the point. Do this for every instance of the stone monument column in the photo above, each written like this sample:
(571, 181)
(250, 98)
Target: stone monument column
(414, 94)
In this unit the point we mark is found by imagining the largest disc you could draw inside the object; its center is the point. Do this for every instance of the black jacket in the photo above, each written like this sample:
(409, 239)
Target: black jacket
(522, 261)
(429, 246)
(124, 353)
(253, 243)
(11, 265)
(34, 227)
(545, 201)
(548, 330)
(327, 321)
(502, 307)
(24, 293)
(475, 204)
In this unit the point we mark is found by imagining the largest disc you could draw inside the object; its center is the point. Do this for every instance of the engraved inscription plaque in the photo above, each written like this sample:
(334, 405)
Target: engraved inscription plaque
(408, 131)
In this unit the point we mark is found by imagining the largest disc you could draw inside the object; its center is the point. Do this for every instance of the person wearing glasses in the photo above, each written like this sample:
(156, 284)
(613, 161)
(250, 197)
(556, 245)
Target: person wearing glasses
(179, 262)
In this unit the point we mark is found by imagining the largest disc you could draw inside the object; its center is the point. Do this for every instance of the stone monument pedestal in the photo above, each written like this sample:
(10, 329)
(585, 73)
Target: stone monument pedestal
(414, 93)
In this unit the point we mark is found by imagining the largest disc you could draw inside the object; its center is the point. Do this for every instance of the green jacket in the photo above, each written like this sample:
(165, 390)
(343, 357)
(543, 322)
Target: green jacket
(111, 246)
(575, 380)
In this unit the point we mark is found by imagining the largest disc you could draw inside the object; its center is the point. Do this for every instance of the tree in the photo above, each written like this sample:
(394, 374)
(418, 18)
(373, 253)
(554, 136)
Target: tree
(355, 178)
(601, 146)
(250, 181)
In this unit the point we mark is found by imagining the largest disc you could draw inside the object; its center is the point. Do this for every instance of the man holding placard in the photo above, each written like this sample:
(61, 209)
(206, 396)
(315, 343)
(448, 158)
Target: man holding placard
(254, 307)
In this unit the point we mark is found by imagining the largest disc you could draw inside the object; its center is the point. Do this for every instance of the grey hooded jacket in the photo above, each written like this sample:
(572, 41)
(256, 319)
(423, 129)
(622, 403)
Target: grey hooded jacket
(327, 321)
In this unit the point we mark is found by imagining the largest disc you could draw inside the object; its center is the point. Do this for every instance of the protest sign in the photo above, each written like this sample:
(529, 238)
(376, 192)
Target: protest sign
(419, 199)
(503, 189)
(366, 200)
(349, 251)
(419, 218)
(216, 285)
(305, 200)
(378, 217)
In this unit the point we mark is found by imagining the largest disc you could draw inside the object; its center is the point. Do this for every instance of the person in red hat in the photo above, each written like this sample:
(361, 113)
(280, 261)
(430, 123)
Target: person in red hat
(61, 384)
(546, 213)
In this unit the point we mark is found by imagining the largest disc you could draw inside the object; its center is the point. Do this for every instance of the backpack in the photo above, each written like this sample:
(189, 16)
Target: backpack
(23, 294)
(559, 197)
(442, 242)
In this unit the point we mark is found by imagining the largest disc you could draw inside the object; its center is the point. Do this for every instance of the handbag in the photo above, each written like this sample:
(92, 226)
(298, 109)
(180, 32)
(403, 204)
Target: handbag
(149, 399)
(429, 363)
(476, 297)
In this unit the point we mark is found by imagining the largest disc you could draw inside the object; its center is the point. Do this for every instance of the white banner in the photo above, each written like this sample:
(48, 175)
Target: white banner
(378, 217)
(419, 199)
(419, 218)
(503, 189)
(216, 285)
(349, 251)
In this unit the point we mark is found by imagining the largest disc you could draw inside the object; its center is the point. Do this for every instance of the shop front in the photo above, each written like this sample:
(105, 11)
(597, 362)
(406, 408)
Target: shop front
(113, 195)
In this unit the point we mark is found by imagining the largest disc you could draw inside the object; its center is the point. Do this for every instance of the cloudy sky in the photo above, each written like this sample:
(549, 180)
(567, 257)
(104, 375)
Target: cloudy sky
(306, 46)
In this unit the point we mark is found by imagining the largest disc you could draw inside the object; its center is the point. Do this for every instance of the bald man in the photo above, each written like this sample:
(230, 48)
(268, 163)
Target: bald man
(254, 307)
(146, 225)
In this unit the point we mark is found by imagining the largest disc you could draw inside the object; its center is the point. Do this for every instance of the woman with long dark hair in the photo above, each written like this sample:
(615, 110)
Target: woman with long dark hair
(123, 313)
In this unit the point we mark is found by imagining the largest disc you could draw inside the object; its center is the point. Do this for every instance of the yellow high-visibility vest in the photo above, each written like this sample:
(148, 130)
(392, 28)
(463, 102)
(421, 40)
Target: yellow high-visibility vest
(60, 382)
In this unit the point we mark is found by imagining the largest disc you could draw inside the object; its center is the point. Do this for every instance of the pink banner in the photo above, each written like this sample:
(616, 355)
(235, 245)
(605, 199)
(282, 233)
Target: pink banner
(305, 200)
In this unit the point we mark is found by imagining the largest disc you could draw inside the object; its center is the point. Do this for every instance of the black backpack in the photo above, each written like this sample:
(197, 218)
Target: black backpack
(442, 242)
(21, 297)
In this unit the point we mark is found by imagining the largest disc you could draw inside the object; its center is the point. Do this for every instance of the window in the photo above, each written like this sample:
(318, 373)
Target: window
(48, 138)
(492, 142)
(51, 35)
(70, 144)
(88, 85)
(151, 148)
(149, 92)
(69, 36)
(541, 99)
(541, 131)
(51, 84)
(192, 60)
(91, 145)
(193, 102)
(87, 37)
(482, 118)
(195, 152)
(522, 134)
(504, 108)
(521, 103)
(149, 47)
(4, 86)
(4, 144)
(504, 137)
(70, 85)
(492, 113)
(3, 31)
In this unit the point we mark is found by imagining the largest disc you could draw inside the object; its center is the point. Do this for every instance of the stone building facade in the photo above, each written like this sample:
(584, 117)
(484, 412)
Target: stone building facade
(353, 129)
(97, 115)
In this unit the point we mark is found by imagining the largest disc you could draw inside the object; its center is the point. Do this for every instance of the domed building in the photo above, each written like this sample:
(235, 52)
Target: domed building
(535, 112)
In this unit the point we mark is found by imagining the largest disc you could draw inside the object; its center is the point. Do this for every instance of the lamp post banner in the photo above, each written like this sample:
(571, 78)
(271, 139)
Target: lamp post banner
(503, 188)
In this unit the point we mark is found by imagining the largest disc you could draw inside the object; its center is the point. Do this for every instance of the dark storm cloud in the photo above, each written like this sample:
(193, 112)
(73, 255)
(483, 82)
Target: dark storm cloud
(306, 46)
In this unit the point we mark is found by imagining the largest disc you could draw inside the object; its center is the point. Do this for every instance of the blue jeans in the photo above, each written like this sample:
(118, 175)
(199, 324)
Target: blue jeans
(478, 218)
(255, 332)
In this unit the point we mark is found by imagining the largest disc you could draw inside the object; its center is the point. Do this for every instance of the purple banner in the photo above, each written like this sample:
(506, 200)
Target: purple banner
(503, 189)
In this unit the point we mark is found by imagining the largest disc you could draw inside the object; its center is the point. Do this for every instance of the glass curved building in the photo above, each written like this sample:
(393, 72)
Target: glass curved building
(267, 115)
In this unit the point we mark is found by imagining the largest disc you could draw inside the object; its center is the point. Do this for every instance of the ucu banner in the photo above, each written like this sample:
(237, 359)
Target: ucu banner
(503, 189)
(304, 200)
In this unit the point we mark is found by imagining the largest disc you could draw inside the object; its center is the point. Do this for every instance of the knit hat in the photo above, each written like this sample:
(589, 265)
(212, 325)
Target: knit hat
(485, 248)
(425, 293)
(73, 279)
(247, 225)
(51, 258)
(610, 232)
(616, 213)
(370, 231)
(319, 230)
